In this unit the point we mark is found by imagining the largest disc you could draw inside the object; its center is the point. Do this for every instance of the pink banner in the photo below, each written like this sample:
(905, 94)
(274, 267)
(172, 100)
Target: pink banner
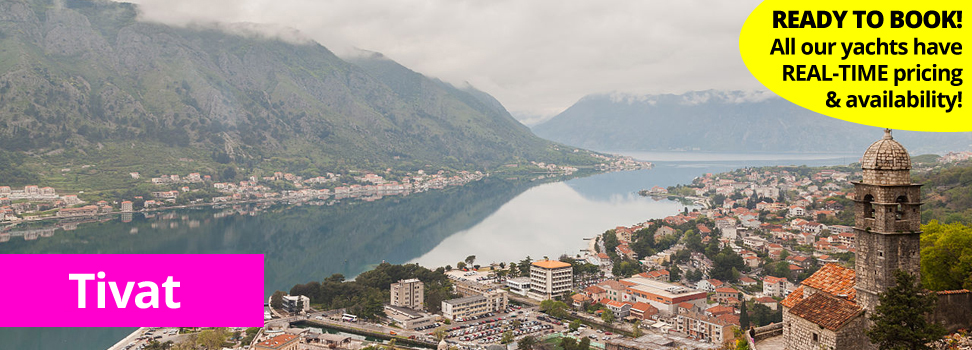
(131, 290)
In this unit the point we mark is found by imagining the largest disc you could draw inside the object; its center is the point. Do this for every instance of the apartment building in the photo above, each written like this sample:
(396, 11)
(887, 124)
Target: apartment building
(408, 293)
(549, 278)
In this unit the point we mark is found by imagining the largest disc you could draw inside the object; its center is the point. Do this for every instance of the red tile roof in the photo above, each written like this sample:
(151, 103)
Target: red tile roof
(594, 290)
(721, 309)
(726, 290)
(644, 308)
(729, 319)
(795, 297)
(827, 311)
(765, 300)
(277, 342)
(611, 284)
(834, 279)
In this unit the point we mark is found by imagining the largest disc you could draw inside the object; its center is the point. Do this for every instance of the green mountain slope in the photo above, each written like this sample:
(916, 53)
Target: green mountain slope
(79, 79)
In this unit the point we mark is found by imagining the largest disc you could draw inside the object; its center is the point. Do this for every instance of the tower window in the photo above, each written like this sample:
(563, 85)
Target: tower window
(880, 253)
(900, 213)
(868, 208)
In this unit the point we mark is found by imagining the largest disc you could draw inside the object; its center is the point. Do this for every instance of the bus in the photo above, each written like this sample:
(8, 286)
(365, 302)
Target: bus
(349, 318)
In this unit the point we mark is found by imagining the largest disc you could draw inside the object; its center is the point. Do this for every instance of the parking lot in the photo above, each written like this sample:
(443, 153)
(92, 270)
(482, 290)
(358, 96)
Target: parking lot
(490, 328)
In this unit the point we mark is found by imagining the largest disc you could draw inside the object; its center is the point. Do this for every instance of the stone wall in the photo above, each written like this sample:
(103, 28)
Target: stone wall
(799, 334)
(954, 310)
(768, 331)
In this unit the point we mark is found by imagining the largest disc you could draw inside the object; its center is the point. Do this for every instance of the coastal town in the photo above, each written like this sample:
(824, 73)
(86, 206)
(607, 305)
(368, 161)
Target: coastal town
(32, 202)
(767, 247)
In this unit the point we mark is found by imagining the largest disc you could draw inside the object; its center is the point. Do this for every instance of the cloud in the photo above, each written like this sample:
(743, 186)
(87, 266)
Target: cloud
(537, 57)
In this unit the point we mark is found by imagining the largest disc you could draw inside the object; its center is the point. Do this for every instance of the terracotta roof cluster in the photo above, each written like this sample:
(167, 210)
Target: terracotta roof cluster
(826, 311)
(834, 279)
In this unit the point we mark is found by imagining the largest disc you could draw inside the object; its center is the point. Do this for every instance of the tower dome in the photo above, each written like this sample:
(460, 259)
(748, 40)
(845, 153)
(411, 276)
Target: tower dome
(886, 162)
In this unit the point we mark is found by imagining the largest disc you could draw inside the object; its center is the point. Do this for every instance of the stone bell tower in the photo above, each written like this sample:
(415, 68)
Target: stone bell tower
(887, 220)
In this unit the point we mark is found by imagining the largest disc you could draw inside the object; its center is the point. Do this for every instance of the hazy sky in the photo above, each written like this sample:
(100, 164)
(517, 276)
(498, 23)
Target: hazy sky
(537, 57)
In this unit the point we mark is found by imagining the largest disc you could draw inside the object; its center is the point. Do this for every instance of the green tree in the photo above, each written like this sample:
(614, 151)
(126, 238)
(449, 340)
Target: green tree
(636, 329)
(946, 256)
(526, 343)
(743, 316)
(212, 338)
(554, 308)
(276, 300)
(585, 344)
(675, 273)
(693, 241)
(461, 265)
(726, 264)
(607, 316)
(524, 266)
(574, 325)
(568, 343)
(899, 318)
(470, 259)
(507, 337)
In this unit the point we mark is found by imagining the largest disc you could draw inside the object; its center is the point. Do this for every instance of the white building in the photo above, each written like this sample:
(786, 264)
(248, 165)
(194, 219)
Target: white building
(549, 278)
(408, 293)
(477, 305)
(296, 304)
(519, 285)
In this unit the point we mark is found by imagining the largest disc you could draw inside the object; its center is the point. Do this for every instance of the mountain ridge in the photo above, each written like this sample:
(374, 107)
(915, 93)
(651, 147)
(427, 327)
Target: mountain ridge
(718, 121)
(76, 76)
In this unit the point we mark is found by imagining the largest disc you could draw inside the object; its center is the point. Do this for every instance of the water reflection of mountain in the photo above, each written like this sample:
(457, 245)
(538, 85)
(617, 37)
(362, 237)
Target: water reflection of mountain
(300, 243)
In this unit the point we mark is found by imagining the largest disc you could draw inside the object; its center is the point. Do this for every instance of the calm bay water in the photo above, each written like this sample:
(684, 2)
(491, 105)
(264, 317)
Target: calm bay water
(494, 219)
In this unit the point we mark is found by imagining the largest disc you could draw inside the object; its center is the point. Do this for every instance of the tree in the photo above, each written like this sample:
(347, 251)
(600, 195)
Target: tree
(636, 329)
(946, 256)
(607, 316)
(212, 338)
(568, 343)
(276, 300)
(524, 266)
(526, 343)
(439, 333)
(470, 259)
(675, 273)
(554, 308)
(460, 265)
(574, 325)
(899, 318)
(585, 344)
(507, 337)
(693, 241)
(743, 316)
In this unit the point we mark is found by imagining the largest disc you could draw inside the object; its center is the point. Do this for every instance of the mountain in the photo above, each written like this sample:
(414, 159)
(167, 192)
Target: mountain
(87, 81)
(720, 121)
